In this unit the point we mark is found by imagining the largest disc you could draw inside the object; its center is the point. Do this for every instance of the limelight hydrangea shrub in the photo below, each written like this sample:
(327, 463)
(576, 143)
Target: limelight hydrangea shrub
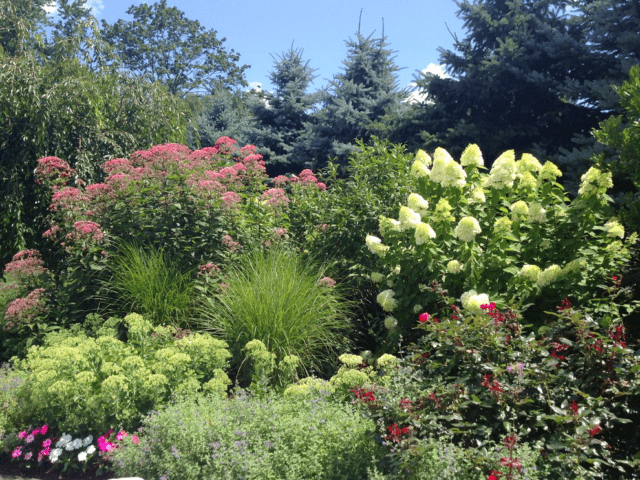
(509, 235)
(84, 384)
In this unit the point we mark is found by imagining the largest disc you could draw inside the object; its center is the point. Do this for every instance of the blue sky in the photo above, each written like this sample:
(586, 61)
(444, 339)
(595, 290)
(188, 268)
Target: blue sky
(257, 28)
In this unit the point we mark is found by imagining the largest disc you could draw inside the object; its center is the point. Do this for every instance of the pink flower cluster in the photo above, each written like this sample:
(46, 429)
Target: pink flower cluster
(230, 243)
(24, 310)
(327, 282)
(275, 197)
(105, 445)
(25, 263)
(307, 177)
(30, 438)
(54, 170)
(86, 229)
(208, 269)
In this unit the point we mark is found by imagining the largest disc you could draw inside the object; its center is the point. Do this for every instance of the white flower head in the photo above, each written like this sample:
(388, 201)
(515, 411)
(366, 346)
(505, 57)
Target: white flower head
(408, 218)
(549, 275)
(454, 175)
(549, 171)
(390, 323)
(387, 225)
(87, 441)
(467, 229)
(417, 203)
(595, 181)
(503, 171)
(537, 214)
(91, 449)
(531, 272)
(614, 228)
(424, 232)
(423, 157)
(386, 300)
(528, 163)
(472, 156)
(82, 457)
(477, 196)
(375, 245)
(377, 277)
(420, 170)
(520, 209)
(472, 301)
(454, 266)
(417, 308)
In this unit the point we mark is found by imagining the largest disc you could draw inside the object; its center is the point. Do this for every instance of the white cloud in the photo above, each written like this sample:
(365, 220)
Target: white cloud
(51, 7)
(417, 96)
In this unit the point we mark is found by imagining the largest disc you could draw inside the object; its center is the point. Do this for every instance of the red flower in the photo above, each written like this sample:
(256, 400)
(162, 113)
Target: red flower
(574, 407)
(564, 305)
(494, 475)
(425, 317)
(595, 431)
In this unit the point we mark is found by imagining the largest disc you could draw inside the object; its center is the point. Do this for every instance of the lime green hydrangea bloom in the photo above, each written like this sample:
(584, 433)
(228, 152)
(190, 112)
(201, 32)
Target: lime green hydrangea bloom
(420, 170)
(375, 245)
(614, 228)
(377, 277)
(472, 156)
(472, 300)
(409, 219)
(467, 229)
(350, 360)
(454, 266)
(387, 225)
(502, 225)
(424, 232)
(537, 214)
(528, 163)
(423, 157)
(386, 300)
(549, 171)
(520, 209)
(503, 171)
(390, 323)
(443, 211)
(532, 272)
(477, 196)
(417, 203)
(549, 275)
(595, 182)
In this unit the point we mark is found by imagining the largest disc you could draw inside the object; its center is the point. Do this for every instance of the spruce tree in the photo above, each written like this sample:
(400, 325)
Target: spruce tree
(515, 79)
(283, 115)
(357, 101)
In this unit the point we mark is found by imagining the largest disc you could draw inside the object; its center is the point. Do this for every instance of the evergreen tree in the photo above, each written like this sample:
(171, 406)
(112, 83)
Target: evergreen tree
(358, 99)
(515, 79)
(282, 115)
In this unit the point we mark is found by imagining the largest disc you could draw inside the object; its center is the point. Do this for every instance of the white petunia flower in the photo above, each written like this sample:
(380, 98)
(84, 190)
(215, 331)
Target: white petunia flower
(82, 457)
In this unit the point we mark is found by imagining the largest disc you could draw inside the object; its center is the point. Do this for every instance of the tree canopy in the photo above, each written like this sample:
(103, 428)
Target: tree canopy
(161, 44)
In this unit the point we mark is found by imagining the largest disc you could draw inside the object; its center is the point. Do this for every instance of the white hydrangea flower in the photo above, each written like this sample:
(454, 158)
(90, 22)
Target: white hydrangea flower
(423, 157)
(537, 214)
(503, 171)
(439, 168)
(386, 300)
(614, 229)
(595, 181)
(424, 232)
(417, 308)
(454, 175)
(397, 269)
(549, 171)
(520, 209)
(390, 323)
(530, 271)
(387, 225)
(467, 229)
(528, 163)
(420, 170)
(377, 277)
(408, 218)
(477, 196)
(472, 300)
(454, 266)
(527, 182)
(417, 203)
(549, 275)
(502, 225)
(375, 245)
(472, 156)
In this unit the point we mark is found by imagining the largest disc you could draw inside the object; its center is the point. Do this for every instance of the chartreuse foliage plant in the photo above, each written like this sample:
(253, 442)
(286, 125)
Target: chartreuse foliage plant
(283, 300)
(556, 403)
(509, 236)
(251, 437)
(90, 384)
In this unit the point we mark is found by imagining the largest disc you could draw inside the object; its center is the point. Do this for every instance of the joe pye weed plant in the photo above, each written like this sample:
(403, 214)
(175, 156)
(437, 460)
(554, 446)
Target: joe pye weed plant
(509, 236)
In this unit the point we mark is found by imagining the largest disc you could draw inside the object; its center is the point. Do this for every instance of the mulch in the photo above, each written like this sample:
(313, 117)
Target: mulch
(14, 471)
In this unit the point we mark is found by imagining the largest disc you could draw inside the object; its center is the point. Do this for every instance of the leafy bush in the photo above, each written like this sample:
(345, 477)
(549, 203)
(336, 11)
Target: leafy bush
(144, 280)
(247, 437)
(284, 301)
(509, 236)
(483, 379)
(87, 385)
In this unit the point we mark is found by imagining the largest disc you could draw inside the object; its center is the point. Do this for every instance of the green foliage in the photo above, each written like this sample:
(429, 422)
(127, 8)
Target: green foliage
(144, 280)
(21, 23)
(62, 108)
(262, 438)
(83, 384)
(509, 236)
(332, 224)
(478, 378)
(9, 382)
(275, 296)
(621, 133)
(162, 45)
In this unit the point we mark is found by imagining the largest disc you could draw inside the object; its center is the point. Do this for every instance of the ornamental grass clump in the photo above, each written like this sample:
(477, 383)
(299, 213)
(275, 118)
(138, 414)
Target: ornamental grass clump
(509, 235)
(275, 296)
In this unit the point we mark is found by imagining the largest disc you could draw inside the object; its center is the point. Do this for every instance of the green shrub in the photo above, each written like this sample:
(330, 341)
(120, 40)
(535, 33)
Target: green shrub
(87, 385)
(277, 297)
(247, 437)
(510, 236)
(569, 391)
(144, 280)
